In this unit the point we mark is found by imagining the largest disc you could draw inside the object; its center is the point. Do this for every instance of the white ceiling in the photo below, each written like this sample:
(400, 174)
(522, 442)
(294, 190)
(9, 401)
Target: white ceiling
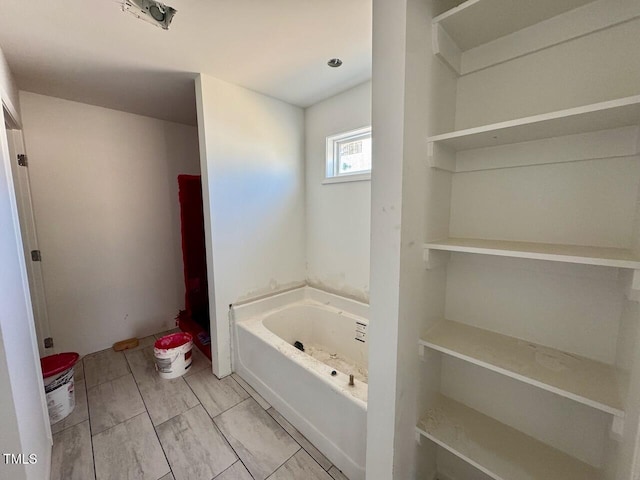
(90, 51)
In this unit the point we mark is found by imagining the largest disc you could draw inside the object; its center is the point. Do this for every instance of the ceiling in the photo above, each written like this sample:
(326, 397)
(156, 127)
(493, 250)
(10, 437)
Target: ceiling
(90, 51)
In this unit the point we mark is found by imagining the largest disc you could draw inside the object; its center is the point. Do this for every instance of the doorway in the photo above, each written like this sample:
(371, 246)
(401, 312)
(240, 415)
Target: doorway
(195, 317)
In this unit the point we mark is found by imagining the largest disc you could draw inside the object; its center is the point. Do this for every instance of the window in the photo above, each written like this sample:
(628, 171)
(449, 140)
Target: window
(349, 156)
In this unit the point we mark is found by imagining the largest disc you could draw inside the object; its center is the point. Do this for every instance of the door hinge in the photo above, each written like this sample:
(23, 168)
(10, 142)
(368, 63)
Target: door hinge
(48, 342)
(36, 256)
(22, 160)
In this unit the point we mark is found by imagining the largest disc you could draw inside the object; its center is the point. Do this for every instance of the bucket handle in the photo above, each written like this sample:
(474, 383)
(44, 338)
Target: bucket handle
(172, 360)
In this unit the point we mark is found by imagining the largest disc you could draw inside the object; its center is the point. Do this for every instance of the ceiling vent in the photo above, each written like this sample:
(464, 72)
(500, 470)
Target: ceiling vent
(155, 13)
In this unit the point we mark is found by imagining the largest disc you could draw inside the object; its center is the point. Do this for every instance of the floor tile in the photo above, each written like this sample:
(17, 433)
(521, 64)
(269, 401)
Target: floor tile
(142, 364)
(216, 395)
(259, 441)
(164, 399)
(200, 362)
(256, 396)
(104, 366)
(80, 412)
(114, 402)
(337, 474)
(298, 437)
(78, 371)
(71, 457)
(194, 446)
(235, 472)
(300, 466)
(129, 450)
(166, 332)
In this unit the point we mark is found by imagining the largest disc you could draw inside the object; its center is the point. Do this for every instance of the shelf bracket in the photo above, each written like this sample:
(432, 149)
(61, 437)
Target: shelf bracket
(617, 428)
(441, 157)
(632, 290)
(425, 353)
(434, 258)
(445, 48)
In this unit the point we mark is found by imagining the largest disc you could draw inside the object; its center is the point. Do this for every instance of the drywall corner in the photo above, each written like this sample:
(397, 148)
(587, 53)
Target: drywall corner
(252, 164)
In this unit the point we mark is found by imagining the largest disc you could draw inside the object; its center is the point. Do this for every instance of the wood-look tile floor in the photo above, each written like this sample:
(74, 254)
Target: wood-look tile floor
(130, 424)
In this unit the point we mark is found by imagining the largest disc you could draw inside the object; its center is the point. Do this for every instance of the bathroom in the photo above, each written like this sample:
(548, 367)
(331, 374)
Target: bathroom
(420, 228)
(99, 199)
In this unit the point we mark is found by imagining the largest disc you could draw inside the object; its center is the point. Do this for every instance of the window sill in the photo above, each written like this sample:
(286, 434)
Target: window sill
(357, 177)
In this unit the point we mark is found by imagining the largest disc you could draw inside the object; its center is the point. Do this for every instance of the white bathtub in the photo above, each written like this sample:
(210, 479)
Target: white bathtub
(322, 406)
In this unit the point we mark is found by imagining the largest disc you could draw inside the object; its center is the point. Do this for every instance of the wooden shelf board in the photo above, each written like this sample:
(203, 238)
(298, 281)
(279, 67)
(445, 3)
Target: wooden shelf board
(611, 114)
(581, 379)
(603, 256)
(476, 22)
(496, 449)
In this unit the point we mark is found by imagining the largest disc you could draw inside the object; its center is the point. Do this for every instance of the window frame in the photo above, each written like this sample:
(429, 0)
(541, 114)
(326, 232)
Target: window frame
(331, 174)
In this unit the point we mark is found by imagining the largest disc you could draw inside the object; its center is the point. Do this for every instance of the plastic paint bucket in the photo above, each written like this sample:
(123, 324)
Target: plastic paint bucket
(173, 354)
(57, 371)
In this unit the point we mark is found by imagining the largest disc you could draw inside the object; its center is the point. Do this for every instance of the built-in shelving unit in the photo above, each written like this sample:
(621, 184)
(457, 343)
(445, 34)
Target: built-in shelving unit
(603, 256)
(531, 380)
(496, 449)
(581, 379)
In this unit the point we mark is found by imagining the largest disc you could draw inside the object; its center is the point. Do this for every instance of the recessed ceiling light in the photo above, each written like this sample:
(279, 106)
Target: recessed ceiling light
(334, 62)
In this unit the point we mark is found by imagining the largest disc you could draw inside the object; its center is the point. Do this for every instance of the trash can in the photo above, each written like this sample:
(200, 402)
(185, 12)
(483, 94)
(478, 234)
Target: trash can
(57, 371)
(173, 354)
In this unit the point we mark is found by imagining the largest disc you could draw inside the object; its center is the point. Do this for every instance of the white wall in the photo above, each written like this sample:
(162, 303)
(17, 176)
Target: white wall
(338, 215)
(387, 111)
(106, 205)
(24, 421)
(404, 296)
(251, 150)
(413, 96)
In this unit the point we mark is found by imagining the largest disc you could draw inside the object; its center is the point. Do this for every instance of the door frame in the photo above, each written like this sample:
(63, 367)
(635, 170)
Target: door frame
(28, 229)
(30, 424)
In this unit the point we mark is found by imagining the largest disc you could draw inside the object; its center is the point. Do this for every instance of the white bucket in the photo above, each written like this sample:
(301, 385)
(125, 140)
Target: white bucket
(57, 371)
(173, 361)
(59, 391)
